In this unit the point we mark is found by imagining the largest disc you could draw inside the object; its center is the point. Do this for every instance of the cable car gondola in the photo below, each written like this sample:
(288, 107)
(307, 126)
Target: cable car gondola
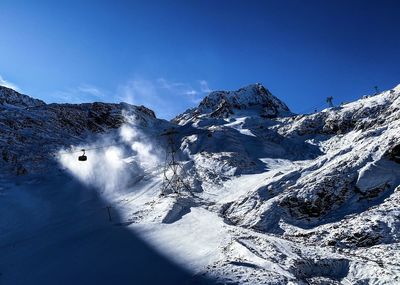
(82, 157)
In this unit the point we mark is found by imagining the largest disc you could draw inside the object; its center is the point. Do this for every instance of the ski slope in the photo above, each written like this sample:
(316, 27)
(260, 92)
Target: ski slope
(276, 198)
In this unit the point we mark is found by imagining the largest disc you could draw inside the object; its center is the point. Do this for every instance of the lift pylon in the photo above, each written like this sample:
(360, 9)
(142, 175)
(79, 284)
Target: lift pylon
(174, 173)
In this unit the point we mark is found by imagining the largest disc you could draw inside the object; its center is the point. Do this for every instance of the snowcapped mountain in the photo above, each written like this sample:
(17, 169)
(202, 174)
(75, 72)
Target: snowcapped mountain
(254, 99)
(274, 197)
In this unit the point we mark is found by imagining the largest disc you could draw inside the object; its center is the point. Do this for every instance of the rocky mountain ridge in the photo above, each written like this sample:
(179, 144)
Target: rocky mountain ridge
(253, 98)
(32, 131)
(13, 98)
(274, 197)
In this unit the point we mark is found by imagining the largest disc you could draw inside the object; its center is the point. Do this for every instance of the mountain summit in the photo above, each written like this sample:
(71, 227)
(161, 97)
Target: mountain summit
(253, 99)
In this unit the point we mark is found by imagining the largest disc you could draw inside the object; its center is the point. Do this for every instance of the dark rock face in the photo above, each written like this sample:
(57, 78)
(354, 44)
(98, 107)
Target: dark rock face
(223, 110)
(314, 200)
(331, 269)
(11, 97)
(95, 117)
(394, 153)
(363, 238)
(101, 115)
(31, 123)
(146, 111)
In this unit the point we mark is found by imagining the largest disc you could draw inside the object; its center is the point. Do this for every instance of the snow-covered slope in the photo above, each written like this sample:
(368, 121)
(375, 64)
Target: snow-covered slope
(275, 198)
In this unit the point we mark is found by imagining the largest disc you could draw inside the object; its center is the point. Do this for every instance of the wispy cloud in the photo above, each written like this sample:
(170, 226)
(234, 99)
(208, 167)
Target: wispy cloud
(139, 92)
(194, 92)
(81, 94)
(170, 85)
(90, 89)
(8, 84)
(204, 86)
(191, 92)
(165, 97)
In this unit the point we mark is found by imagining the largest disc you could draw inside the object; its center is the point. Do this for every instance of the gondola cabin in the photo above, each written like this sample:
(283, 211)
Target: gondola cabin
(82, 157)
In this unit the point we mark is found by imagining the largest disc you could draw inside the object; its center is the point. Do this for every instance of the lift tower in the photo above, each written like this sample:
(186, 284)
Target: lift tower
(174, 174)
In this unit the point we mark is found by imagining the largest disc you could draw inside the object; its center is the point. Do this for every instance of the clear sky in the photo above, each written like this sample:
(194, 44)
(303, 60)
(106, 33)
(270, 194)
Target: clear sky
(168, 54)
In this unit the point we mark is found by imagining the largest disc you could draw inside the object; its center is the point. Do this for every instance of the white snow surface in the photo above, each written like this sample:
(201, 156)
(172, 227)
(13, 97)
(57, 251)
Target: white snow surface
(275, 198)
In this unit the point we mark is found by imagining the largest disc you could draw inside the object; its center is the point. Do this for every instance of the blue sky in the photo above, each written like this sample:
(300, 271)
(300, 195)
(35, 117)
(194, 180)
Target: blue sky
(167, 55)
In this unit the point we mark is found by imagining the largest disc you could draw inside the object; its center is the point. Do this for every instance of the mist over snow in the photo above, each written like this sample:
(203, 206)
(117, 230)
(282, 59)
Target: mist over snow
(114, 160)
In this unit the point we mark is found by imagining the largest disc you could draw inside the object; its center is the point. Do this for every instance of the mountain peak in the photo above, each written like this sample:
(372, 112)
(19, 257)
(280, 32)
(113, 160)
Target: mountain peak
(253, 98)
(10, 97)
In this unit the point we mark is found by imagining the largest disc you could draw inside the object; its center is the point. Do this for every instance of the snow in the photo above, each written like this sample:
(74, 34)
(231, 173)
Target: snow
(308, 199)
(377, 174)
(186, 241)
